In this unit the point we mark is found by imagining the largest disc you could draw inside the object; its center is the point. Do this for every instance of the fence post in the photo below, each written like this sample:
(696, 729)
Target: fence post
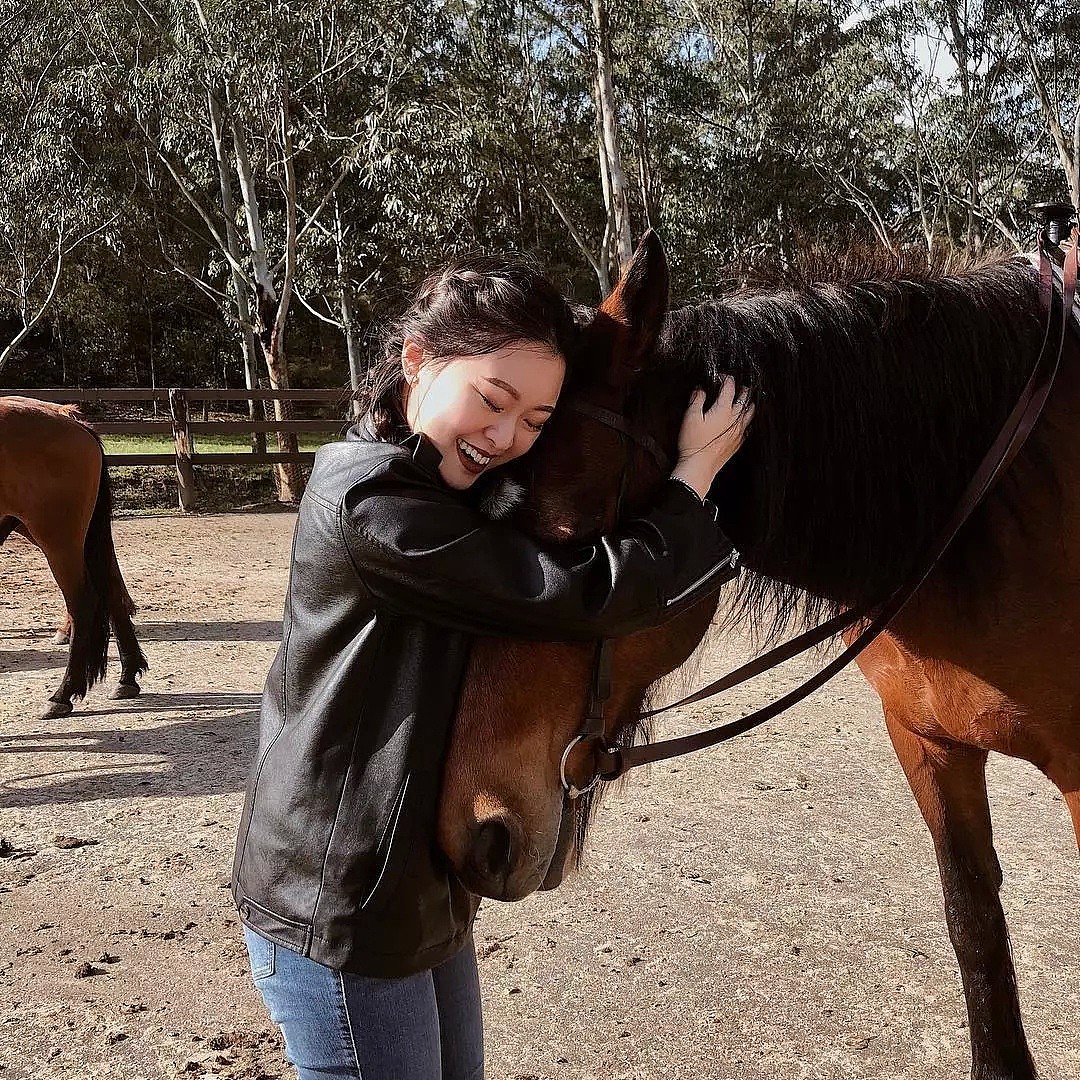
(185, 474)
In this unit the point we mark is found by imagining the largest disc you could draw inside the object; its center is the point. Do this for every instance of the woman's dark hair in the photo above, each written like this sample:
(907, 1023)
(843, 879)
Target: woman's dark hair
(474, 305)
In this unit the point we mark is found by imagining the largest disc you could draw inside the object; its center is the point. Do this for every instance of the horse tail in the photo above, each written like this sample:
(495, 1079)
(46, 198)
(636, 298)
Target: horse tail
(98, 559)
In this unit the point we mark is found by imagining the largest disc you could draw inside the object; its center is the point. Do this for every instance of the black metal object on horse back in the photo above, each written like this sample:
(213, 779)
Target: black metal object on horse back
(1056, 219)
(613, 761)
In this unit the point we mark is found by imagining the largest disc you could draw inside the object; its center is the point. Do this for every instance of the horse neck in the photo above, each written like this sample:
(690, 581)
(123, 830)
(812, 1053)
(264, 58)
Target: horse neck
(876, 400)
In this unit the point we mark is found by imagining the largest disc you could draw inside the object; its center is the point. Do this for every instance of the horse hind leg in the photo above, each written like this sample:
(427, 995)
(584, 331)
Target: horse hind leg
(9, 525)
(88, 654)
(63, 631)
(1066, 777)
(1072, 801)
(949, 783)
(104, 572)
(132, 660)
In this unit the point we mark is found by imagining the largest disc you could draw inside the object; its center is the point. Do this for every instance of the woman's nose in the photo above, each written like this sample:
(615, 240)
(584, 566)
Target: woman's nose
(501, 435)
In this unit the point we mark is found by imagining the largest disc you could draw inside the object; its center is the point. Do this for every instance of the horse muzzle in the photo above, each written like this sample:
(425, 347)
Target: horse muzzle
(499, 862)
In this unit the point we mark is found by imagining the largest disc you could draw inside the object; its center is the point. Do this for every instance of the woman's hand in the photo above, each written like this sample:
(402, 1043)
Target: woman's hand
(708, 440)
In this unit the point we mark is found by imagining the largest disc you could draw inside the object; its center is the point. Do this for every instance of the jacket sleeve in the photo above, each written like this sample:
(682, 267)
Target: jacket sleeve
(420, 550)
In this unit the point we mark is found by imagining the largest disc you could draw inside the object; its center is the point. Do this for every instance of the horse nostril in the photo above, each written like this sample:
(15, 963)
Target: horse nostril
(492, 850)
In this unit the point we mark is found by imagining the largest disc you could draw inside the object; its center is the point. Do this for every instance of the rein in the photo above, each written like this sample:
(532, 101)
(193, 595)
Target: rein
(613, 761)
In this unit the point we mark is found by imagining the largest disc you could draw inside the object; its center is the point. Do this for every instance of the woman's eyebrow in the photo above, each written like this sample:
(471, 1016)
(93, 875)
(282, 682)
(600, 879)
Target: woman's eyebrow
(512, 391)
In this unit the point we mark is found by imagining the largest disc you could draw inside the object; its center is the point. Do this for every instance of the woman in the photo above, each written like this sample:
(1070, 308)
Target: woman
(358, 933)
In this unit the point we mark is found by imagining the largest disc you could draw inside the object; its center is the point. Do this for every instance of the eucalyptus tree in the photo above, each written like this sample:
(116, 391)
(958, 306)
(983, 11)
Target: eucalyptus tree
(59, 193)
(1049, 45)
(966, 143)
(737, 106)
(234, 106)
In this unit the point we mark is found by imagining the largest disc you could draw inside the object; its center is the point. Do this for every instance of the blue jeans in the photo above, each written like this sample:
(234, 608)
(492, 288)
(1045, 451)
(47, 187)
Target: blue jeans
(422, 1027)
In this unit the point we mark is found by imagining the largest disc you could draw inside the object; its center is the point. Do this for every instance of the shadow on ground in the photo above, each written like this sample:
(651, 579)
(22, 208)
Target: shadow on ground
(32, 659)
(264, 630)
(208, 753)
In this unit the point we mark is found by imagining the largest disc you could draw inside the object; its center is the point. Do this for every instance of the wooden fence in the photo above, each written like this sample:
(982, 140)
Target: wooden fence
(185, 430)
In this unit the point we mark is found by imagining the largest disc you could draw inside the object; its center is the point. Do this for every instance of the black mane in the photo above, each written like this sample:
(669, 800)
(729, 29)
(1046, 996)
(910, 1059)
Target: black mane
(879, 389)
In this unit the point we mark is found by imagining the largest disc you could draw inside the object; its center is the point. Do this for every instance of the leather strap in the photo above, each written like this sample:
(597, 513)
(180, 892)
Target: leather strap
(618, 422)
(613, 761)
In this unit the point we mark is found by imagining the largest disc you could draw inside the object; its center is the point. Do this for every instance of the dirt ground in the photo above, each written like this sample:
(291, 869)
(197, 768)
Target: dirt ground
(766, 909)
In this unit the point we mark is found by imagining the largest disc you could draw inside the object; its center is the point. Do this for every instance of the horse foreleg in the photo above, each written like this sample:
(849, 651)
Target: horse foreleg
(949, 784)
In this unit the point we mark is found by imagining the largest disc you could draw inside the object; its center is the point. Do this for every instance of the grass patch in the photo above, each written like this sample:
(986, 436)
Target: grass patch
(221, 488)
(206, 444)
(153, 488)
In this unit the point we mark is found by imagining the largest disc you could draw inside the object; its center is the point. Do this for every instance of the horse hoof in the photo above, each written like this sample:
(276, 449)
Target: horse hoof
(56, 709)
(61, 639)
(125, 691)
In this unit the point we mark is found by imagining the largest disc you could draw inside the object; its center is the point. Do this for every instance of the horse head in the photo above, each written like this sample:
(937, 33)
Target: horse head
(522, 703)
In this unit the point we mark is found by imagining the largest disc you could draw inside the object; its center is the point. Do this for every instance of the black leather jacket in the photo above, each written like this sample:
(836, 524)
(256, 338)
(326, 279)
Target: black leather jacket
(392, 573)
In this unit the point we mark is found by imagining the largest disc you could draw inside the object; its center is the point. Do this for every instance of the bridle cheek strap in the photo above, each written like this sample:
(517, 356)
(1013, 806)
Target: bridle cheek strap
(617, 422)
(592, 730)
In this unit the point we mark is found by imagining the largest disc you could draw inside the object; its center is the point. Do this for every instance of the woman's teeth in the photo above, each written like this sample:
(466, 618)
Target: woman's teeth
(472, 453)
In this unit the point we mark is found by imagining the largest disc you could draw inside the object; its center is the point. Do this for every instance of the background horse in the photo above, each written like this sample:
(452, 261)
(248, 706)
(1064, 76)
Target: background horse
(878, 391)
(54, 489)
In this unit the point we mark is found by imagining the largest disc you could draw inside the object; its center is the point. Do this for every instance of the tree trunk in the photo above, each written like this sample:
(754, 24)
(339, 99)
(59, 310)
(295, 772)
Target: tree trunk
(290, 478)
(619, 209)
(356, 374)
(1068, 149)
(645, 177)
(271, 308)
(240, 288)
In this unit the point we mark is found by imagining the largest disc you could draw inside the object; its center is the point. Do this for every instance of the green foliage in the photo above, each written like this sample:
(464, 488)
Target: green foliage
(417, 130)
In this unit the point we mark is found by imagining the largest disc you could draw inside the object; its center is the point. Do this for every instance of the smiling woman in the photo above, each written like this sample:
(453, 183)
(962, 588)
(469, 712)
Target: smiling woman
(481, 411)
(358, 932)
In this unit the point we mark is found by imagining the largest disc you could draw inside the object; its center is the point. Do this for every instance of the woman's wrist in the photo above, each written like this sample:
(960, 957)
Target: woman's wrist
(697, 476)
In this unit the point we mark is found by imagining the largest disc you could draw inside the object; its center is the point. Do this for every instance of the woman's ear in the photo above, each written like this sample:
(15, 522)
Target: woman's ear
(412, 356)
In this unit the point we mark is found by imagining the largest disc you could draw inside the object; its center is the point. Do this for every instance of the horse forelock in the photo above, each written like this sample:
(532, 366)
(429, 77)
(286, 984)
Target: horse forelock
(879, 386)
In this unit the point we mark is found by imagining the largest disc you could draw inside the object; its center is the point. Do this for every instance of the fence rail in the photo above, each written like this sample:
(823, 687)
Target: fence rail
(185, 431)
(162, 395)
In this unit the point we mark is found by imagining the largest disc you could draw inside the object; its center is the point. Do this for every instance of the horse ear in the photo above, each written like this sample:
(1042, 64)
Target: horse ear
(640, 300)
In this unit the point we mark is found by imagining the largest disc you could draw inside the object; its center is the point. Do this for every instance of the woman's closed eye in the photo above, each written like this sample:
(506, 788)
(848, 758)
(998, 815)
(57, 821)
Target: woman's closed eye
(497, 408)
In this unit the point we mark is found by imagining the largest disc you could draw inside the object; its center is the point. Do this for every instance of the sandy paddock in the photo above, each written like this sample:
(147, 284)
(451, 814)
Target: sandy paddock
(767, 909)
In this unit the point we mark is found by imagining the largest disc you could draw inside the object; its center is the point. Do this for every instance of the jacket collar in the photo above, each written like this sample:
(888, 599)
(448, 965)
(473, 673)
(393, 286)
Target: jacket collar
(423, 451)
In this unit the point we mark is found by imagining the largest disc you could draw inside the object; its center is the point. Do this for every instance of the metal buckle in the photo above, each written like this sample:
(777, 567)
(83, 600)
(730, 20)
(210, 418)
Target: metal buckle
(573, 792)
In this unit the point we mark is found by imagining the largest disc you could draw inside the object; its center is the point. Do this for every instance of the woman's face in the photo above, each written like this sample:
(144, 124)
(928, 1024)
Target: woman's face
(481, 411)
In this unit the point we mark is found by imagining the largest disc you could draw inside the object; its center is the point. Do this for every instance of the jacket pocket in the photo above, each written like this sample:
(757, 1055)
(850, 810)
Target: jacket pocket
(391, 854)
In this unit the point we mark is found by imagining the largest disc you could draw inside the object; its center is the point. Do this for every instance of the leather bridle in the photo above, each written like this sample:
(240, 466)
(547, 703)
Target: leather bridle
(612, 761)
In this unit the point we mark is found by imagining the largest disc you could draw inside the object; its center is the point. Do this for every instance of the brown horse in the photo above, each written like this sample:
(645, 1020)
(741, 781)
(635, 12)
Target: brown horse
(54, 490)
(878, 390)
